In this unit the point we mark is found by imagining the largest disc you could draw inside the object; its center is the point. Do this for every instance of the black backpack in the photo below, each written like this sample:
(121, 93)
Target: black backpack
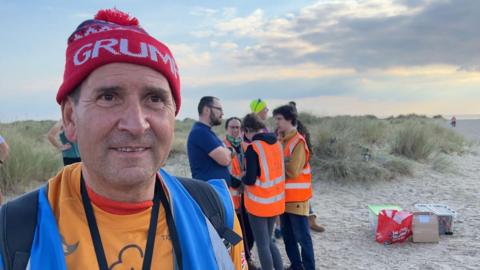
(21, 216)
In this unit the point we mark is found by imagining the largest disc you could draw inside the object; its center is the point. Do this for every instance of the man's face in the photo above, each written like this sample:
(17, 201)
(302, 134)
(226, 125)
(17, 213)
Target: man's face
(216, 113)
(263, 114)
(123, 123)
(233, 128)
(281, 123)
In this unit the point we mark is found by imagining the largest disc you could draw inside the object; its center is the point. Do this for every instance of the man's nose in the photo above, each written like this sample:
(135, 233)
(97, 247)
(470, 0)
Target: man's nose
(134, 119)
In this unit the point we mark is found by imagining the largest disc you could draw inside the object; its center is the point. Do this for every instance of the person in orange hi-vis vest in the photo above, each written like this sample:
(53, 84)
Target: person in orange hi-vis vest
(298, 190)
(233, 141)
(303, 130)
(264, 193)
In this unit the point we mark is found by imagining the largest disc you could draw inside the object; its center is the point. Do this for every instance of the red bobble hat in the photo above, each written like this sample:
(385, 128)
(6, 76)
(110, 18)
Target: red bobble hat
(111, 37)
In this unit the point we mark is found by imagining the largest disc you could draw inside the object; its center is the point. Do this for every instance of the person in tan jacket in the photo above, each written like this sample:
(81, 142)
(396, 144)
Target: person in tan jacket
(303, 130)
(298, 190)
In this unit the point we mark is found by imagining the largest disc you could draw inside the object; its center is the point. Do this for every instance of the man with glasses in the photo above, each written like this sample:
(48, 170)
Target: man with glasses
(208, 156)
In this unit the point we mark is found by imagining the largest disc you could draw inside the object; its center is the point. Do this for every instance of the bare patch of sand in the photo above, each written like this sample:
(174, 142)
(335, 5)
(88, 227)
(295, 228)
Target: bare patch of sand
(348, 241)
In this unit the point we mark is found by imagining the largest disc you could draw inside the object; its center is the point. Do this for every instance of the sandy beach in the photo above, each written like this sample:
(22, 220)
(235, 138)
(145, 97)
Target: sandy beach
(348, 242)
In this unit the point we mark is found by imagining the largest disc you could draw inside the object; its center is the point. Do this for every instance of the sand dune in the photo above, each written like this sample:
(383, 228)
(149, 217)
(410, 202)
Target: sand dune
(348, 242)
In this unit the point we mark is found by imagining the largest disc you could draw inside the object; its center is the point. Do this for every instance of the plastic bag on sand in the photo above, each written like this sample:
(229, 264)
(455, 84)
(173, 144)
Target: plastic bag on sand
(393, 226)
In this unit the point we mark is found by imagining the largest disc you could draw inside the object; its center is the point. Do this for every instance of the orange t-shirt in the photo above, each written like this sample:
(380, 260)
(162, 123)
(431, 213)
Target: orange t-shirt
(124, 236)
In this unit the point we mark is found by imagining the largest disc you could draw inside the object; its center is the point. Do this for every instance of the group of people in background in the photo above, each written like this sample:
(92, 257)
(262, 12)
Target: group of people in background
(268, 174)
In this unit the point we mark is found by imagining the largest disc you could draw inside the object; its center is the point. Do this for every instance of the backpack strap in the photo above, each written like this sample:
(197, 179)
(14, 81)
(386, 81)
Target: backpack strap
(18, 219)
(21, 216)
(212, 207)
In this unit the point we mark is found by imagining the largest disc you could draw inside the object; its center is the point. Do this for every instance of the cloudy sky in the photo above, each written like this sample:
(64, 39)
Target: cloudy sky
(377, 57)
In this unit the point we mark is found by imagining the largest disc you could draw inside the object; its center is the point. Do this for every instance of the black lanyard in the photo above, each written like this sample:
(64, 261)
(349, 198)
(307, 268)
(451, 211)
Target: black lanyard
(159, 197)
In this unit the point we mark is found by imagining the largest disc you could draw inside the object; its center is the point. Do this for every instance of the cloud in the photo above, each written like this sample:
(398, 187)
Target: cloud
(361, 34)
(188, 56)
(243, 26)
(276, 88)
(203, 11)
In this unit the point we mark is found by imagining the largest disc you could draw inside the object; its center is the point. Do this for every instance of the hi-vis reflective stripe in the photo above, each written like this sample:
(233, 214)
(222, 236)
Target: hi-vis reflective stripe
(234, 192)
(306, 171)
(268, 184)
(269, 200)
(263, 158)
(293, 144)
(297, 185)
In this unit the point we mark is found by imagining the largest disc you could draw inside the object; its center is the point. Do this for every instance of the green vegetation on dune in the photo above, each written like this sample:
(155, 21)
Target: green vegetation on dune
(353, 148)
(31, 158)
(366, 148)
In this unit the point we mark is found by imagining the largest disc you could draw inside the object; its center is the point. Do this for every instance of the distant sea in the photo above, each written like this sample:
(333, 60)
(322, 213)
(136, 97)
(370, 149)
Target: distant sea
(463, 116)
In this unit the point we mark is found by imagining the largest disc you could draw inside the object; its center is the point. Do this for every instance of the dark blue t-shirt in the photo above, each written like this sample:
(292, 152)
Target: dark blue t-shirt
(202, 141)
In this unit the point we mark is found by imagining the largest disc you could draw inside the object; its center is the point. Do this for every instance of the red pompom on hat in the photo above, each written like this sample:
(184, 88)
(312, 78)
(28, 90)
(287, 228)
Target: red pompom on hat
(113, 36)
(116, 16)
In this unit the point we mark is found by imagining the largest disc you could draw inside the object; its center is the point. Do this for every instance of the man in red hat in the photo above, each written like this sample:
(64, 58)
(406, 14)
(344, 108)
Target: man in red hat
(117, 208)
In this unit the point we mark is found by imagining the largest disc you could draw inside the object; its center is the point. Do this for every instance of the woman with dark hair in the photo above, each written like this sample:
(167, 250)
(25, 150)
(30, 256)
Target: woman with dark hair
(264, 193)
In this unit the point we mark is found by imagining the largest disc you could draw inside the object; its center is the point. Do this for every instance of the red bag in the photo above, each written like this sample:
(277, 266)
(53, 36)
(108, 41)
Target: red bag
(393, 226)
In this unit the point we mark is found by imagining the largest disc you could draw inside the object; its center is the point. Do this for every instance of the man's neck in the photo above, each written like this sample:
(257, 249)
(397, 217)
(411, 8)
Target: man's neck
(204, 121)
(288, 132)
(121, 193)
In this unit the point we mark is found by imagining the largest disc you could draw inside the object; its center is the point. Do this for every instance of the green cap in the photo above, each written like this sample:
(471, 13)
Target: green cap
(257, 105)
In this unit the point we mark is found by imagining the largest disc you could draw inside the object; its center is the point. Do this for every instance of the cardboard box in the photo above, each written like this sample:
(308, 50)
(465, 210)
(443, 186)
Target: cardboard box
(445, 214)
(425, 227)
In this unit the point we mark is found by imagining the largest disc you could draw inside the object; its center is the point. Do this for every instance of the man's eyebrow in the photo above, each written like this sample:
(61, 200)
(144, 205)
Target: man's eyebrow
(108, 89)
(156, 90)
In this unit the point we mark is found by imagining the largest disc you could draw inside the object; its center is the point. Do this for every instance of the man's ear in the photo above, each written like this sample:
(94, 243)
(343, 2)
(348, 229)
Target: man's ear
(206, 110)
(68, 119)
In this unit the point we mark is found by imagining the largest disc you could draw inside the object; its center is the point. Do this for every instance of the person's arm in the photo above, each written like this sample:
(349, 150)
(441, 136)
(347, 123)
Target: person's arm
(236, 183)
(221, 155)
(294, 166)
(53, 137)
(252, 168)
(4, 151)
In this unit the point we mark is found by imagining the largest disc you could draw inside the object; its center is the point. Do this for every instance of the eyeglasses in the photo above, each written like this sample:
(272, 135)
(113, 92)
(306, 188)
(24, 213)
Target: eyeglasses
(218, 108)
(234, 127)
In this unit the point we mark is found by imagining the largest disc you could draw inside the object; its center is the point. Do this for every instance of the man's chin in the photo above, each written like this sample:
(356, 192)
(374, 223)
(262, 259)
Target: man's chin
(134, 175)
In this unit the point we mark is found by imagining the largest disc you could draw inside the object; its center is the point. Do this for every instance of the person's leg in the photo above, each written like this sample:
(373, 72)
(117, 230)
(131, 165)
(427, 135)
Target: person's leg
(301, 231)
(244, 233)
(262, 238)
(312, 216)
(248, 229)
(276, 231)
(290, 243)
(276, 256)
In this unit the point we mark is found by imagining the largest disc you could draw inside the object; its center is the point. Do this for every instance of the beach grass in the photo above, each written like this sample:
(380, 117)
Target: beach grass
(355, 148)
